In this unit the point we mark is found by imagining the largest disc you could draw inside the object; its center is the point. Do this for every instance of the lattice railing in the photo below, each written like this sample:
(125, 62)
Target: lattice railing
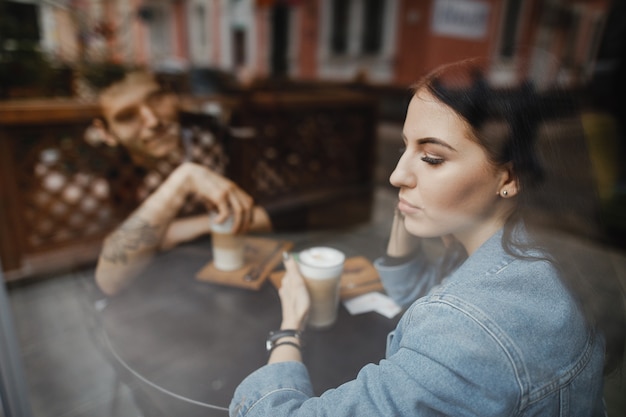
(300, 146)
(62, 198)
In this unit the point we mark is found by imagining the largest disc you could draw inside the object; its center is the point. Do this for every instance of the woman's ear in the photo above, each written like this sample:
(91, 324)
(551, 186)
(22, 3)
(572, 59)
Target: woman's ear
(97, 133)
(509, 185)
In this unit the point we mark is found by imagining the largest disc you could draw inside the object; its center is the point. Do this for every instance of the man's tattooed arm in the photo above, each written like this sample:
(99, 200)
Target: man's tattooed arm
(128, 250)
(134, 235)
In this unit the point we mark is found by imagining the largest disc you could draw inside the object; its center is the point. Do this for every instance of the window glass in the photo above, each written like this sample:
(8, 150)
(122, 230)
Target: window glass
(510, 28)
(372, 26)
(339, 34)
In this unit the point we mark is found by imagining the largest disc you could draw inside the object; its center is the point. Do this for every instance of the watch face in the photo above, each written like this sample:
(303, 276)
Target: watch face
(275, 335)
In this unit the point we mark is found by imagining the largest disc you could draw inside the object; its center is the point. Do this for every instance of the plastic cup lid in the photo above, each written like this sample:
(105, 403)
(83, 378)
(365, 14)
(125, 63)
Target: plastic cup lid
(225, 227)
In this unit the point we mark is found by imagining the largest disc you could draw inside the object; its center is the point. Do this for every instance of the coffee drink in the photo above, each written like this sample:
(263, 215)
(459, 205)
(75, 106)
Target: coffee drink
(321, 268)
(228, 248)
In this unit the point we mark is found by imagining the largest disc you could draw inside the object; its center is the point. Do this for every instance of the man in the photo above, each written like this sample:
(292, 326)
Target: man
(143, 118)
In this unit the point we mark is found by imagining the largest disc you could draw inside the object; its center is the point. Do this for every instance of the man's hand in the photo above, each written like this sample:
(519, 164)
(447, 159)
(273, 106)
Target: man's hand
(218, 193)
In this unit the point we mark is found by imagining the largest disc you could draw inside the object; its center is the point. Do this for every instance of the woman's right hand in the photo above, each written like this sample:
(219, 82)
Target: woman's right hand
(401, 242)
(294, 297)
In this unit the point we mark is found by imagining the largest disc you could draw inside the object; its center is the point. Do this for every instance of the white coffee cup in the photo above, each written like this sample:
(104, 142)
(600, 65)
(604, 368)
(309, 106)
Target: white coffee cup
(228, 247)
(321, 268)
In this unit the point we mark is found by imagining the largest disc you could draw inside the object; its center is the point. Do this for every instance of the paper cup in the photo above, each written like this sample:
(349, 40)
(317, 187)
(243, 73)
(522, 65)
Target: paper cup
(228, 248)
(321, 268)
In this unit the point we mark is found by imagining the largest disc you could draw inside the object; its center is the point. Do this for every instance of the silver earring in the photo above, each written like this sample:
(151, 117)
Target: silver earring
(505, 193)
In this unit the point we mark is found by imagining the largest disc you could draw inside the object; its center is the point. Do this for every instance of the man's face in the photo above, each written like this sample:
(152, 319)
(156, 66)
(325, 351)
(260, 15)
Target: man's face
(142, 118)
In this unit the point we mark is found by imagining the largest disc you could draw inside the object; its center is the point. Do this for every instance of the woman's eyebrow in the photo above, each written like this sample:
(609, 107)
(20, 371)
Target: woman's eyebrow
(435, 141)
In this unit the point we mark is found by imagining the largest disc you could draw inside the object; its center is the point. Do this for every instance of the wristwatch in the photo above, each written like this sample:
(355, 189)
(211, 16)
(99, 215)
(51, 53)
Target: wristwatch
(278, 334)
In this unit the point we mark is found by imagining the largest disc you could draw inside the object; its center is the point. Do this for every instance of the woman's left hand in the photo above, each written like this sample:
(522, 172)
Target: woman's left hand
(294, 297)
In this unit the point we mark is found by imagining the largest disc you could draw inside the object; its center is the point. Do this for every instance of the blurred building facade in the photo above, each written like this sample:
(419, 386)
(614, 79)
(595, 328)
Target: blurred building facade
(389, 42)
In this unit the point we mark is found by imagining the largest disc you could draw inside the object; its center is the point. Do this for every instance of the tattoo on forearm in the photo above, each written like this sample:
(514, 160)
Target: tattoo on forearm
(132, 235)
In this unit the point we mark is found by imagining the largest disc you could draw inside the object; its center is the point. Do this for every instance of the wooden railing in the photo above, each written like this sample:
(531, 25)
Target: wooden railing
(306, 151)
(52, 209)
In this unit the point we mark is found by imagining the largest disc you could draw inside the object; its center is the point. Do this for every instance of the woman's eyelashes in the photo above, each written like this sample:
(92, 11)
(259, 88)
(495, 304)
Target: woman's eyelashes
(432, 160)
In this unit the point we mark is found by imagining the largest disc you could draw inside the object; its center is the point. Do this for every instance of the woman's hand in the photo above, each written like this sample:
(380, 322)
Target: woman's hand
(220, 194)
(401, 242)
(294, 296)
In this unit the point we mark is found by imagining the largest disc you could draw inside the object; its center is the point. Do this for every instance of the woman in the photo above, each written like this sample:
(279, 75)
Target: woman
(521, 316)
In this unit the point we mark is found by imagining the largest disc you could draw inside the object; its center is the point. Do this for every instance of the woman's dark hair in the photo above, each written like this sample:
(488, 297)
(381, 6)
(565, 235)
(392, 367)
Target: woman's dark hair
(538, 133)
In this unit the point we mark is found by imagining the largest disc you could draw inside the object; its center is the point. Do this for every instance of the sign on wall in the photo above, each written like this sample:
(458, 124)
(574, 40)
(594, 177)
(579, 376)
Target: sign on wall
(465, 19)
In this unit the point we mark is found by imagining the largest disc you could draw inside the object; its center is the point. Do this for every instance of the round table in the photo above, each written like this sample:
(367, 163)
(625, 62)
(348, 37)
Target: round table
(182, 345)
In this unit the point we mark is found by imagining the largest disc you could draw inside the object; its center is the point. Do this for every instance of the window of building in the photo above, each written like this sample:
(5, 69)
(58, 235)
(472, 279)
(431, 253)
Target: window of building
(239, 47)
(201, 19)
(160, 33)
(571, 39)
(372, 26)
(20, 21)
(357, 39)
(596, 38)
(512, 17)
(363, 20)
(339, 29)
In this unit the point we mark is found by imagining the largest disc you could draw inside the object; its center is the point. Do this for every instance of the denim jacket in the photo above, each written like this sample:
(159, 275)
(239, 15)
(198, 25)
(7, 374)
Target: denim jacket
(500, 336)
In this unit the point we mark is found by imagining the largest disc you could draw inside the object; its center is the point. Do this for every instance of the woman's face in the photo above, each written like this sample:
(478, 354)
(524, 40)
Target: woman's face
(447, 185)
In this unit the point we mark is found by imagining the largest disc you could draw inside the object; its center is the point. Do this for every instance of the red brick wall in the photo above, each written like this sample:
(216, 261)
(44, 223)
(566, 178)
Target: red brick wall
(308, 39)
(420, 50)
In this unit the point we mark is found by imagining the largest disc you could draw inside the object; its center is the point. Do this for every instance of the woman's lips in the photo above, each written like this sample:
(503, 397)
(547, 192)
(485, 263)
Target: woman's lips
(407, 208)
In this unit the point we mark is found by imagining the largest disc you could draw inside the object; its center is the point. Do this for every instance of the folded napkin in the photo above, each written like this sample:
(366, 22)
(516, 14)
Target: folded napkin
(261, 256)
(359, 277)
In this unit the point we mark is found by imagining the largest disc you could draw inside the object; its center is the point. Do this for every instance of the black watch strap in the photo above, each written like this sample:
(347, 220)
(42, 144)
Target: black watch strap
(278, 334)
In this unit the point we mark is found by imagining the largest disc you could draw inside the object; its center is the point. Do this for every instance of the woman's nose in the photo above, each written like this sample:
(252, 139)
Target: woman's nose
(402, 176)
